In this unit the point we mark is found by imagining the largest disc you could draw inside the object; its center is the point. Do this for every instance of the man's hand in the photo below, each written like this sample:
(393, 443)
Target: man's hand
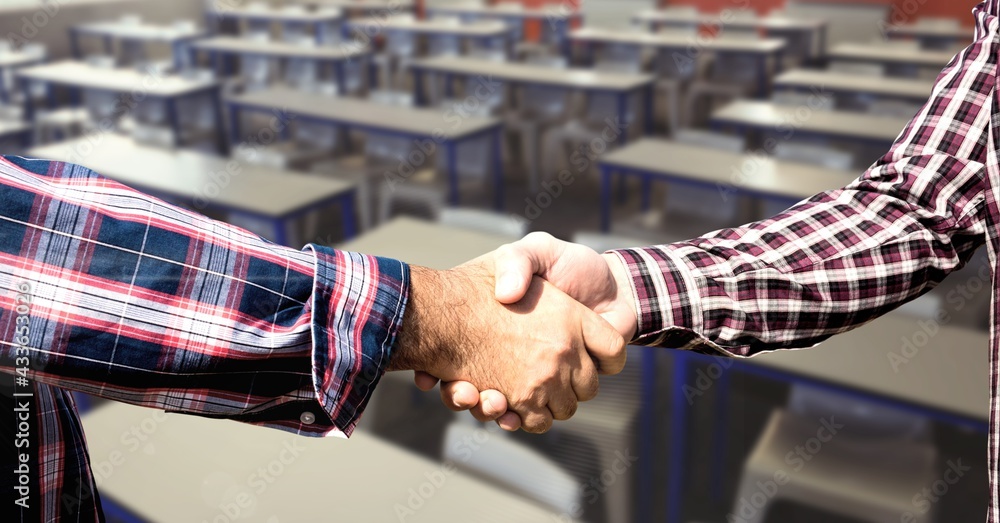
(541, 353)
(599, 282)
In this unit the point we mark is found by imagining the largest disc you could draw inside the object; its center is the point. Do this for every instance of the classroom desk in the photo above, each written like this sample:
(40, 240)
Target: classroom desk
(849, 125)
(137, 33)
(191, 468)
(381, 8)
(935, 35)
(888, 55)
(12, 60)
(586, 80)
(77, 76)
(221, 50)
(19, 129)
(760, 50)
(559, 18)
(485, 32)
(274, 196)
(815, 27)
(323, 21)
(436, 126)
(658, 159)
(911, 89)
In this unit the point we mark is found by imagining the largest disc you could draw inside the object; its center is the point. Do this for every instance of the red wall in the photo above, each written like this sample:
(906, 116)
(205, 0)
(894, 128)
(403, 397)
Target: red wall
(902, 11)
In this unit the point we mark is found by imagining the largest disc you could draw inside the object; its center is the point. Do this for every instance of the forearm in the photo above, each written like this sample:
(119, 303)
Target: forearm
(139, 301)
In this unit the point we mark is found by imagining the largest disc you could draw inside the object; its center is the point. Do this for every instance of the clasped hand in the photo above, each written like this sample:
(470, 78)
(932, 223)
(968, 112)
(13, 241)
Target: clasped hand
(519, 335)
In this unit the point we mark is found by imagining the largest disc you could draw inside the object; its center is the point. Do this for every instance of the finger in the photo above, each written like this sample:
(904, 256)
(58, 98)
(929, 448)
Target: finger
(459, 395)
(492, 405)
(585, 380)
(510, 421)
(604, 343)
(563, 407)
(424, 381)
(514, 267)
(536, 421)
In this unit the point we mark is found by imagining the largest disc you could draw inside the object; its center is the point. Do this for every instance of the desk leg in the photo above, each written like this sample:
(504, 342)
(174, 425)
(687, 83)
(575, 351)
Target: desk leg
(175, 123)
(605, 198)
(646, 185)
(29, 101)
(678, 436)
(498, 189)
(3, 86)
(338, 68)
(647, 425)
(761, 76)
(623, 115)
(347, 208)
(418, 87)
(451, 152)
(281, 231)
(234, 124)
(220, 124)
(721, 431)
(74, 43)
(108, 46)
(449, 91)
(650, 108)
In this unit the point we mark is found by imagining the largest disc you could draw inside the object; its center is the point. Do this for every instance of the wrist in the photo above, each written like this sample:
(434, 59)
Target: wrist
(625, 299)
(420, 345)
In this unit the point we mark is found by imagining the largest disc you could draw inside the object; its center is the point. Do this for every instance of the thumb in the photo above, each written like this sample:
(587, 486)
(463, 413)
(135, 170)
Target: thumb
(605, 345)
(513, 267)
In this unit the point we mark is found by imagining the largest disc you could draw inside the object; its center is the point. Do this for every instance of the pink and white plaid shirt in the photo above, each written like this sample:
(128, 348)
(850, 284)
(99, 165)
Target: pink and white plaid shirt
(844, 257)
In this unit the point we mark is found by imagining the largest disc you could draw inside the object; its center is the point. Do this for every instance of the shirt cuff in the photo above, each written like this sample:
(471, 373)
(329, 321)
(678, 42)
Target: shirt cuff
(357, 304)
(667, 302)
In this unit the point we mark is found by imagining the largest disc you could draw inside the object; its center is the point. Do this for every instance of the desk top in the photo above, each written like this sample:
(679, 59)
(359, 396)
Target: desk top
(84, 75)
(235, 45)
(424, 243)
(950, 372)
(774, 23)
(765, 175)
(846, 124)
(142, 31)
(577, 78)
(278, 15)
(188, 174)
(190, 468)
(675, 41)
(873, 52)
(507, 10)
(17, 58)
(417, 121)
(932, 31)
(481, 28)
(909, 88)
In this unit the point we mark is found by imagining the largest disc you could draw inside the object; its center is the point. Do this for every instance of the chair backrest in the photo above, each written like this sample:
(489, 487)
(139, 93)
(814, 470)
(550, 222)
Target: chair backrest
(150, 111)
(444, 45)
(627, 57)
(863, 419)
(701, 138)
(255, 70)
(705, 204)
(482, 221)
(513, 465)
(316, 135)
(733, 67)
(545, 100)
(400, 43)
(791, 98)
(814, 155)
(154, 135)
(471, 158)
(301, 73)
(858, 68)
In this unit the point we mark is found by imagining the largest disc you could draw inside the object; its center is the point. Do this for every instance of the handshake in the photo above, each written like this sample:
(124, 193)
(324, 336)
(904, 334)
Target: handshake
(519, 335)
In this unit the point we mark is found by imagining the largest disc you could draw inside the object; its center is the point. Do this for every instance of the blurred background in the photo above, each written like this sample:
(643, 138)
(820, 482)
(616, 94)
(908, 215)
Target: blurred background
(434, 131)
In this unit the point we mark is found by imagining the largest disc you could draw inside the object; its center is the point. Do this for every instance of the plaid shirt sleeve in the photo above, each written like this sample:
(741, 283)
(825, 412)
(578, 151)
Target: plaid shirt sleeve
(139, 301)
(844, 257)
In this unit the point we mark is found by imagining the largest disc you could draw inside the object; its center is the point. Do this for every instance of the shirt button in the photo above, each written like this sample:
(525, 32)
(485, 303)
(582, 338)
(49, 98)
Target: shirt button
(307, 418)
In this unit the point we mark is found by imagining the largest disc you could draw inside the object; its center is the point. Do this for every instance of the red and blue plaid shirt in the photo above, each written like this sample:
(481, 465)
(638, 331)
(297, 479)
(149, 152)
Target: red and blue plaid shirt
(845, 257)
(114, 293)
